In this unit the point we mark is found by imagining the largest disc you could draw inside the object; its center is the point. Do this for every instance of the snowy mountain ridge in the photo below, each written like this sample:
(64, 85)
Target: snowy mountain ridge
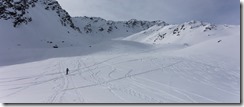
(18, 11)
(93, 25)
(49, 17)
(113, 61)
(188, 33)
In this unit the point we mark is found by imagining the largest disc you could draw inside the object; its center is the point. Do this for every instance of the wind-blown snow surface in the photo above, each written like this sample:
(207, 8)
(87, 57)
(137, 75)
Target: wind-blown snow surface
(195, 63)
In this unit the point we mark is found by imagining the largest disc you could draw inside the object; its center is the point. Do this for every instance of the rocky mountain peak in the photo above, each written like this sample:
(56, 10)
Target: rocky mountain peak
(18, 11)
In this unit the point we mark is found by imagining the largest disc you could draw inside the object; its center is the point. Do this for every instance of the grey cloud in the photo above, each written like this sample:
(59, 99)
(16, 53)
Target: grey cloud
(171, 11)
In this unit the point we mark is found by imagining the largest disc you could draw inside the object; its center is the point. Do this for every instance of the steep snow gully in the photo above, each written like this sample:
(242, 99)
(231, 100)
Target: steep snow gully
(113, 62)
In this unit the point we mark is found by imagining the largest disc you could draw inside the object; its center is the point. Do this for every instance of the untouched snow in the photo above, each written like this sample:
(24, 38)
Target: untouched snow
(194, 62)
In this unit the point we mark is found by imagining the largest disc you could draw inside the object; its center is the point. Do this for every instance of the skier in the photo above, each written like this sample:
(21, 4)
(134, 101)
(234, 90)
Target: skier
(67, 71)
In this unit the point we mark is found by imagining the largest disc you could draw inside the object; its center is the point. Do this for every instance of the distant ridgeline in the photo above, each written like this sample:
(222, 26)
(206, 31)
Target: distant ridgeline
(97, 25)
(18, 12)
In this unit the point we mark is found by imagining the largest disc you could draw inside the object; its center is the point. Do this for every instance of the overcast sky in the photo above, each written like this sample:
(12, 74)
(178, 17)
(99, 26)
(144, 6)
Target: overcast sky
(171, 11)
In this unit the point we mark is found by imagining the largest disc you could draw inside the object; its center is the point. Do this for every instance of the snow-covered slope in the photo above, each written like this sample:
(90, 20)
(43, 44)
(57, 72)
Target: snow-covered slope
(126, 73)
(187, 34)
(46, 22)
(50, 26)
(113, 62)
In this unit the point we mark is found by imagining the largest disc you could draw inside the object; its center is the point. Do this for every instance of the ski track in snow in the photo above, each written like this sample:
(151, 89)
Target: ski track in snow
(115, 61)
(96, 74)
